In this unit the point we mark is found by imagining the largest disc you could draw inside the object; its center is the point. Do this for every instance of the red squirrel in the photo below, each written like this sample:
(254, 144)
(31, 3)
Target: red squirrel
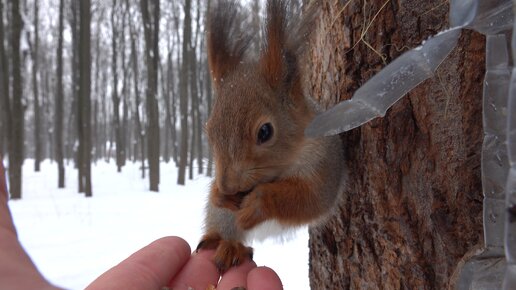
(266, 171)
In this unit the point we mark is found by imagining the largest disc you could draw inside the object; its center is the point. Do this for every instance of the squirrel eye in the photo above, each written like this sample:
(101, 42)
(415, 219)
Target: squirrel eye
(265, 133)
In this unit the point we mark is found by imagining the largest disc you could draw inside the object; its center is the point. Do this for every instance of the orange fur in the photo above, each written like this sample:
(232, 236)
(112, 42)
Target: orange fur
(272, 61)
(287, 178)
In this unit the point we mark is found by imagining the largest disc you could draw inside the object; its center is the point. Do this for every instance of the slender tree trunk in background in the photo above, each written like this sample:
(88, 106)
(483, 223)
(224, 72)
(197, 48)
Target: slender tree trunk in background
(59, 102)
(194, 94)
(84, 98)
(209, 94)
(192, 156)
(167, 91)
(175, 100)
(183, 86)
(97, 118)
(104, 136)
(4, 89)
(200, 117)
(17, 111)
(48, 112)
(38, 152)
(116, 99)
(413, 204)
(151, 31)
(193, 115)
(74, 124)
(139, 127)
(197, 93)
(125, 106)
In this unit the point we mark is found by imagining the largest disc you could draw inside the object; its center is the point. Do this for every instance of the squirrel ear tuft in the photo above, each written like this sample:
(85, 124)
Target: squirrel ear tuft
(225, 42)
(286, 34)
(272, 62)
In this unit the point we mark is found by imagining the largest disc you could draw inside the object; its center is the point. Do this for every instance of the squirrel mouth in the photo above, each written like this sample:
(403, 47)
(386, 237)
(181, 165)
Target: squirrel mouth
(242, 194)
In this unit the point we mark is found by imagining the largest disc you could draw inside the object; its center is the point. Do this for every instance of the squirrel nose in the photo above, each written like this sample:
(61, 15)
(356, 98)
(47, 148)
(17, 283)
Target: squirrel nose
(228, 183)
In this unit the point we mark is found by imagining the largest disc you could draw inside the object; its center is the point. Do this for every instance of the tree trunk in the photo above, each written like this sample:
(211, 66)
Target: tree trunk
(125, 107)
(84, 98)
(139, 127)
(197, 93)
(5, 100)
(17, 111)
(59, 103)
(183, 100)
(116, 99)
(49, 122)
(151, 31)
(413, 205)
(73, 126)
(209, 93)
(38, 143)
(167, 87)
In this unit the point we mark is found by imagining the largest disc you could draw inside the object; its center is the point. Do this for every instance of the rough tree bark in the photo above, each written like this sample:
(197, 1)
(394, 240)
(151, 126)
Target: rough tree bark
(413, 206)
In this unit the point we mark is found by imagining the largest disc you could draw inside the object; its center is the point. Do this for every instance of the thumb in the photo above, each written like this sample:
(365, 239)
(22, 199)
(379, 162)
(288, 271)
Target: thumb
(152, 267)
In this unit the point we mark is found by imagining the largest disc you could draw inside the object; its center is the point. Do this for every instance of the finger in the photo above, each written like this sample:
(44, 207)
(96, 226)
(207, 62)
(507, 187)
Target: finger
(236, 276)
(263, 278)
(198, 273)
(150, 268)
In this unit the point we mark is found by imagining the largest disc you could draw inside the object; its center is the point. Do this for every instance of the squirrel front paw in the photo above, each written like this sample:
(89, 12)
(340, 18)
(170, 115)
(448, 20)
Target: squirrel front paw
(251, 212)
(227, 253)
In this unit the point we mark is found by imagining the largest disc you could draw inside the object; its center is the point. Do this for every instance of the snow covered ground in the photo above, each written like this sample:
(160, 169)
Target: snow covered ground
(73, 239)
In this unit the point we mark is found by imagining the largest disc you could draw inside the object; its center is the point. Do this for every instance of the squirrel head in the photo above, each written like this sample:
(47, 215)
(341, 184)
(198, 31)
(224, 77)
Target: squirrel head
(256, 128)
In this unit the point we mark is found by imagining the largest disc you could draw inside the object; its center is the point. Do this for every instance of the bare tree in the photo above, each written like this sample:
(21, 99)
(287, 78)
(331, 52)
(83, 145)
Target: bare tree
(196, 95)
(120, 156)
(5, 100)
(184, 93)
(151, 32)
(73, 113)
(38, 142)
(125, 90)
(168, 93)
(17, 110)
(139, 126)
(209, 94)
(84, 102)
(59, 102)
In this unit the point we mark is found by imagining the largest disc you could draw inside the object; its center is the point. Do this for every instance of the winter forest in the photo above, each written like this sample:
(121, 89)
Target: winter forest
(114, 81)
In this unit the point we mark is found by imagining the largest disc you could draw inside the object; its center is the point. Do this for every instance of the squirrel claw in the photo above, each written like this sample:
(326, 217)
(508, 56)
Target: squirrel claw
(230, 254)
(209, 241)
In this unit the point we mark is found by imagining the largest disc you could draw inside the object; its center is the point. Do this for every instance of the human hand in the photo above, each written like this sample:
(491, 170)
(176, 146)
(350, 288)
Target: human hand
(165, 262)
(168, 262)
(16, 269)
